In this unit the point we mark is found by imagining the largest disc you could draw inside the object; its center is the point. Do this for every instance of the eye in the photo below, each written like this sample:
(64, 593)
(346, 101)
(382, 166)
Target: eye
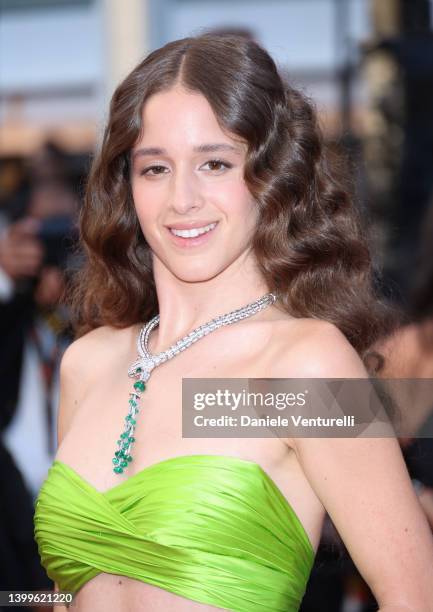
(157, 168)
(218, 162)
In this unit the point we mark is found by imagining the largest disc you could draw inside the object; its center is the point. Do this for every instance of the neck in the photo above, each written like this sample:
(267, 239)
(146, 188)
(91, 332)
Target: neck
(183, 306)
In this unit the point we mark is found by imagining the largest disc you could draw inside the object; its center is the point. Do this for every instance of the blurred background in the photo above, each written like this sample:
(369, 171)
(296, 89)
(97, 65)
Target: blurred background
(368, 66)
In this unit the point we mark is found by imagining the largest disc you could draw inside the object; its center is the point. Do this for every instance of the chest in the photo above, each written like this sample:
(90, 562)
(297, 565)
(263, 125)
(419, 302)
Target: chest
(99, 418)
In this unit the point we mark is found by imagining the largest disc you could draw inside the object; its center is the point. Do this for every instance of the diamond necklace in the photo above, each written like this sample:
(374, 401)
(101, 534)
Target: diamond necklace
(144, 365)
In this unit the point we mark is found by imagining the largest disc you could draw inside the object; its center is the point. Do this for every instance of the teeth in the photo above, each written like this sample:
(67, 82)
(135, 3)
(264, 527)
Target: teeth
(192, 233)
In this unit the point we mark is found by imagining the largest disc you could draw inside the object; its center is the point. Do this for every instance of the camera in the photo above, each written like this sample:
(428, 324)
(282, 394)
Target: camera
(57, 234)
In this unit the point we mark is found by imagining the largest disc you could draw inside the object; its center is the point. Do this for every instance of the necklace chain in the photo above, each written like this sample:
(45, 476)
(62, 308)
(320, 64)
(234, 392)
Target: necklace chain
(146, 362)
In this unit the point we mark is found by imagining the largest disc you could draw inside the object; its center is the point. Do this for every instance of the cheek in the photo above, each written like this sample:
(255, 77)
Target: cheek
(145, 206)
(240, 204)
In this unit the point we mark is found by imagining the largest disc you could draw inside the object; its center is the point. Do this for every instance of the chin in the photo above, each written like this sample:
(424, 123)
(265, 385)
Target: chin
(195, 275)
(195, 269)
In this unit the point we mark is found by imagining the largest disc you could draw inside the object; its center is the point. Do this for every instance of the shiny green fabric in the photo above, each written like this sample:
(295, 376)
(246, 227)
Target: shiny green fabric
(211, 528)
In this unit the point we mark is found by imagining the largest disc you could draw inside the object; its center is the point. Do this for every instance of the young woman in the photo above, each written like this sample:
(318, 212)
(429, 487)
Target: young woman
(211, 195)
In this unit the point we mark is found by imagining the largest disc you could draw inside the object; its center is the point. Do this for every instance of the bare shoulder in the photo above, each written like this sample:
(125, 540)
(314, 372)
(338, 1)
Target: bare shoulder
(91, 349)
(93, 344)
(312, 348)
(308, 347)
(82, 362)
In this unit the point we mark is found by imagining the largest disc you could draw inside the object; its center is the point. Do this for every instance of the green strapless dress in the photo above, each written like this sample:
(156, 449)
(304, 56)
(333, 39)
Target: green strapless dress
(212, 528)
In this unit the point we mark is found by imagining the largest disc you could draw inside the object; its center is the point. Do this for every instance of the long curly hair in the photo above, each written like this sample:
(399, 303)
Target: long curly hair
(309, 242)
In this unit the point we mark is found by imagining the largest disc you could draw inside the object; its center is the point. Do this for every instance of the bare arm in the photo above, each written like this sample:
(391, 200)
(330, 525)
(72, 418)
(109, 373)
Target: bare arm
(75, 378)
(73, 382)
(68, 371)
(58, 607)
(364, 485)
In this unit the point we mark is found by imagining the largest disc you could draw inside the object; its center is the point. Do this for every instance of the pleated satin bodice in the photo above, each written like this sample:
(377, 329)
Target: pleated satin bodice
(211, 528)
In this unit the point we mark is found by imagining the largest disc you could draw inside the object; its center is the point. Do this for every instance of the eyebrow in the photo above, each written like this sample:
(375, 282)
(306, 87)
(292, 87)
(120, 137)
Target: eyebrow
(203, 148)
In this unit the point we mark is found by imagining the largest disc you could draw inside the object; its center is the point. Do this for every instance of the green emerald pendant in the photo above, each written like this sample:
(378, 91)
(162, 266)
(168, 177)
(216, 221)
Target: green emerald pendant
(122, 457)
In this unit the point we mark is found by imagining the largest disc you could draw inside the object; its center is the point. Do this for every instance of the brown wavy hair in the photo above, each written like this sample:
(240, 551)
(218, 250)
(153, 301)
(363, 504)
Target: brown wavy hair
(309, 242)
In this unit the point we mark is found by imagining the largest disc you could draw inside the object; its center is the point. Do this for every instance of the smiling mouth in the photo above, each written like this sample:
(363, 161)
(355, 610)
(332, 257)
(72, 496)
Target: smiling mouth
(193, 232)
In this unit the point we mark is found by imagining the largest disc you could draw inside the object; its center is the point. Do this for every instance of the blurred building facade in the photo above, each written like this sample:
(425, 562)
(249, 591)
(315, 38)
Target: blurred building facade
(60, 59)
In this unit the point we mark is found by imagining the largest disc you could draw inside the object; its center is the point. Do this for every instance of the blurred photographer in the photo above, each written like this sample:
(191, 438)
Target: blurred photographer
(37, 231)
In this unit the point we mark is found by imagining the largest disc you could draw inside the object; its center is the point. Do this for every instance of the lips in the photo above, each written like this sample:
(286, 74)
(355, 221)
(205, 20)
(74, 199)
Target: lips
(190, 236)
(192, 232)
(190, 224)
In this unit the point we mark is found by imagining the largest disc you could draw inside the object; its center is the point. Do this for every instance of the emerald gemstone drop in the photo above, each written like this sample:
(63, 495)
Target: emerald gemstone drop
(122, 457)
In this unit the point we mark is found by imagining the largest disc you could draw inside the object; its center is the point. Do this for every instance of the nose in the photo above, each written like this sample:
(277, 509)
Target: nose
(185, 194)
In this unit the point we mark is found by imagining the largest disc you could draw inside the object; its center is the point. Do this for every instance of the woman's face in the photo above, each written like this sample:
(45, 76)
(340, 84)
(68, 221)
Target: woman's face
(187, 173)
